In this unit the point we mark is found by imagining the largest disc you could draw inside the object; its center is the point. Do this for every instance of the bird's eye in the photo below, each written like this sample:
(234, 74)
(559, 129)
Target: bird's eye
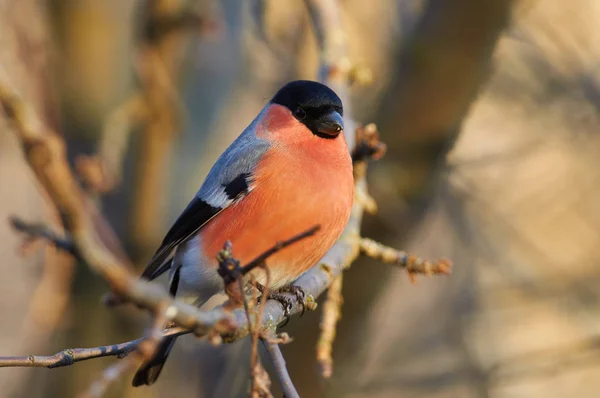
(299, 113)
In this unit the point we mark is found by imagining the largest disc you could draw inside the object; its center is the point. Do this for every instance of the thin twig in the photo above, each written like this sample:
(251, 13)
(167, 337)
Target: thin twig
(274, 352)
(143, 351)
(50, 298)
(109, 376)
(329, 319)
(103, 172)
(71, 356)
(259, 260)
(43, 231)
(158, 61)
(262, 383)
(256, 369)
(68, 357)
(412, 264)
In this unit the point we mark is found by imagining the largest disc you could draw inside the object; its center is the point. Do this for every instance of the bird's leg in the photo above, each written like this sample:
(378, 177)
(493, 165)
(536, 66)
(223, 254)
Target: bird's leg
(298, 292)
(286, 302)
(278, 295)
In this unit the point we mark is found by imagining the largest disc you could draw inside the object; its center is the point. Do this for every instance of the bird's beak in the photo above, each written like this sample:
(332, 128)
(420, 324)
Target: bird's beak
(330, 125)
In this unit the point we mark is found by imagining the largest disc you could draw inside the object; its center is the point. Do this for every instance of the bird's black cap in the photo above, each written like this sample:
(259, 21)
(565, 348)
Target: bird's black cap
(314, 104)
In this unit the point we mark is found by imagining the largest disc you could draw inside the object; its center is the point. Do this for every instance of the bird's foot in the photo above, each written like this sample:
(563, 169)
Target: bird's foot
(284, 300)
(307, 301)
(299, 293)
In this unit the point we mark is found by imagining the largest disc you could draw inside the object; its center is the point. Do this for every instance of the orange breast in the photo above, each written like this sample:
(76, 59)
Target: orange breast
(296, 187)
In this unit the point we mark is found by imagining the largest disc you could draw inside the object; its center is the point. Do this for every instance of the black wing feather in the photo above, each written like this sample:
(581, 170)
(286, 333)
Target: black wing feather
(194, 217)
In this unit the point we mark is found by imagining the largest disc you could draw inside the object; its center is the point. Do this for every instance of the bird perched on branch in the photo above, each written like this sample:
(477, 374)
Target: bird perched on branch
(289, 170)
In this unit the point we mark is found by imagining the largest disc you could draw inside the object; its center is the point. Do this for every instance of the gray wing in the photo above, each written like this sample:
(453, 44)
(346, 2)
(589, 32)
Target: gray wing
(230, 179)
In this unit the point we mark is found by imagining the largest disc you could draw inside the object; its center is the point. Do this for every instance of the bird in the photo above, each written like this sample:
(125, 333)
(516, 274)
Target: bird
(289, 170)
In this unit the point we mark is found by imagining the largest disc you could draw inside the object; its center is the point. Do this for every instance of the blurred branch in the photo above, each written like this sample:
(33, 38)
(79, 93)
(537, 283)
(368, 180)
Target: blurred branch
(103, 172)
(168, 17)
(35, 231)
(331, 39)
(155, 105)
(331, 315)
(160, 55)
(260, 379)
(546, 362)
(441, 69)
(142, 351)
(413, 264)
(45, 154)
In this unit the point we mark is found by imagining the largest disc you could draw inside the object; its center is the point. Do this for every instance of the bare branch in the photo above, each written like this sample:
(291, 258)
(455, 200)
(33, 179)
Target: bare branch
(329, 319)
(262, 386)
(368, 145)
(68, 357)
(412, 264)
(331, 38)
(274, 352)
(71, 356)
(43, 231)
(102, 172)
(256, 368)
(144, 350)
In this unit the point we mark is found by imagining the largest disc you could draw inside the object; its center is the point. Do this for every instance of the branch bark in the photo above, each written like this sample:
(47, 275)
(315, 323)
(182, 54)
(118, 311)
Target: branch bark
(274, 352)
(331, 315)
(45, 154)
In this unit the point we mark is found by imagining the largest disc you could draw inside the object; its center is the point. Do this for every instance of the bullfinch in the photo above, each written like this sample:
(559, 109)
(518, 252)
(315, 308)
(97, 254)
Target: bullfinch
(288, 171)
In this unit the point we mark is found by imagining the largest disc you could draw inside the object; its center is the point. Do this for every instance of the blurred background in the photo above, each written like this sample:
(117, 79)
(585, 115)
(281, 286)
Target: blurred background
(491, 113)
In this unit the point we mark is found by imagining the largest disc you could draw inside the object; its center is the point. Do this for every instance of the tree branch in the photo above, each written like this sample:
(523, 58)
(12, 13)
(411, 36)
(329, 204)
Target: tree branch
(277, 247)
(71, 356)
(274, 352)
(143, 351)
(91, 235)
(329, 320)
(43, 231)
(413, 264)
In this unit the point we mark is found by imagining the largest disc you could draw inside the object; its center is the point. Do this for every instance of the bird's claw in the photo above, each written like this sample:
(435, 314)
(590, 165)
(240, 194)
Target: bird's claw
(298, 292)
(306, 301)
(284, 300)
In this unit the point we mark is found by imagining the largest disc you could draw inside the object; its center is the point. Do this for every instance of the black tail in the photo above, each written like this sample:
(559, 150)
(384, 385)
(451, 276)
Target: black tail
(150, 370)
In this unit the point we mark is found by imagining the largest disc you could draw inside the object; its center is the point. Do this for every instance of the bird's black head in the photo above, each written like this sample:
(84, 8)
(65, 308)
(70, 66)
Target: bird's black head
(313, 104)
